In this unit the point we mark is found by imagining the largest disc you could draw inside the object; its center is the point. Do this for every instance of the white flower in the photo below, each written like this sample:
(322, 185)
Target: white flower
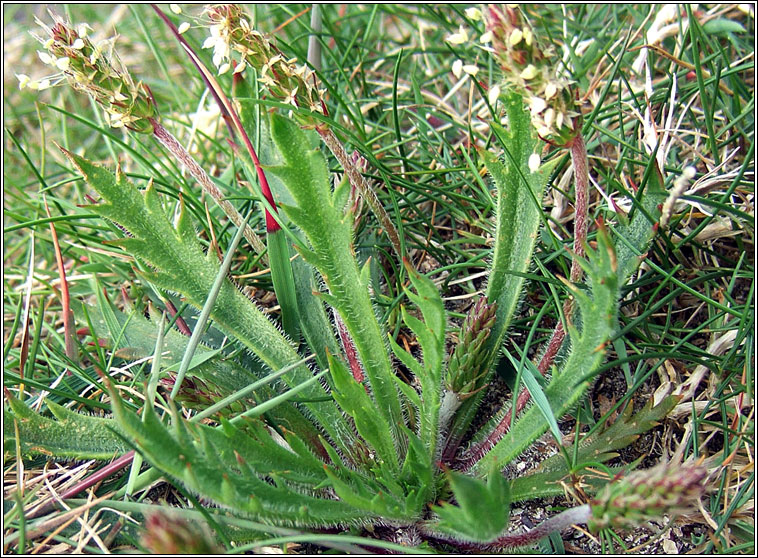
(78, 44)
(62, 63)
(41, 84)
(457, 68)
(23, 80)
(224, 68)
(175, 8)
(471, 69)
(493, 94)
(184, 27)
(537, 105)
(486, 38)
(516, 37)
(220, 53)
(291, 96)
(218, 42)
(45, 57)
(534, 162)
(458, 38)
(530, 72)
(474, 14)
(550, 90)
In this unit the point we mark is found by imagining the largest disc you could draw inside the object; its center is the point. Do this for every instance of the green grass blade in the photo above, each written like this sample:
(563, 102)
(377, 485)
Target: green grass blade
(284, 282)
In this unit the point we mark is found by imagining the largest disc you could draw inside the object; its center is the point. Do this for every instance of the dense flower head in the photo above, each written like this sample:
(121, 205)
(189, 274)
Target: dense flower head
(648, 494)
(166, 534)
(529, 67)
(465, 367)
(195, 393)
(94, 69)
(285, 80)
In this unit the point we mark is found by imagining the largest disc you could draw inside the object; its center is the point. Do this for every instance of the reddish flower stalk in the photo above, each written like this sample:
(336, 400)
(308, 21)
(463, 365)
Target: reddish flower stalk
(177, 150)
(555, 524)
(227, 109)
(227, 118)
(90, 68)
(350, 351)
(289, 83)
(359, 181)
(100, 475)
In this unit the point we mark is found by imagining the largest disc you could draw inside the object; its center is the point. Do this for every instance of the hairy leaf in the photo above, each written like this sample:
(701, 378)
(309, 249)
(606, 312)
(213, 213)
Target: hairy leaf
(598, 314)
(72, 435)
(248, 473)
(482, 511)
(372, 426)
(179, 264)
(304, 172)
(431, 336)
(597, 448)
(518, 216)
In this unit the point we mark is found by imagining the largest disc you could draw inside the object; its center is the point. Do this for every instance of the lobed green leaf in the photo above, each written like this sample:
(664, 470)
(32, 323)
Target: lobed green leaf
(483, 507)
(73, 435)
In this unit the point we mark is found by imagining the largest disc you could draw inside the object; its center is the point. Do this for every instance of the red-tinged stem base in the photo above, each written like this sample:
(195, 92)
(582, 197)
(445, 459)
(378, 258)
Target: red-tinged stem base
(556, 524)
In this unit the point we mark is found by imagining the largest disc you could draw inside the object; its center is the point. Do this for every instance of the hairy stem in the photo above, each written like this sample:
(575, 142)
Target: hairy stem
(581, 191)
(177, 149)
(358, 181)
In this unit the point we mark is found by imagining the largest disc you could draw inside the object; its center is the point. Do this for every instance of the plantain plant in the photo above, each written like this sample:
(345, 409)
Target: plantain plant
(311, 425)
